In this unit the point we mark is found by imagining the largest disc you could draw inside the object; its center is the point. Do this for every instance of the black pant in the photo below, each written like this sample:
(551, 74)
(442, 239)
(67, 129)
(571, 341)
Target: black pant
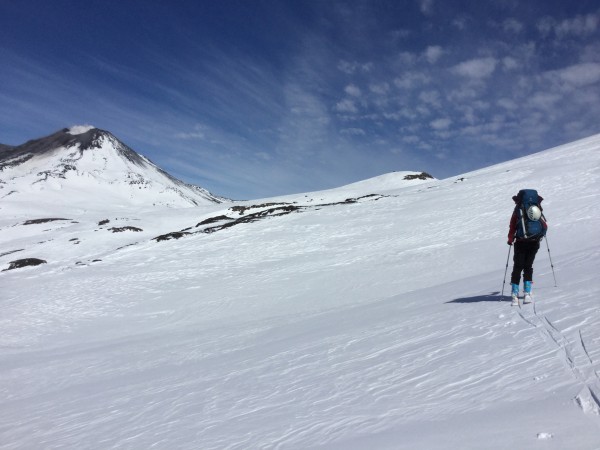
(523, 260)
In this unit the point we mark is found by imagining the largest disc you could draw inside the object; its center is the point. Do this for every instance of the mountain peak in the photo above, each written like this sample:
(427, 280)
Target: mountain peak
(83, 137)
(83, 158)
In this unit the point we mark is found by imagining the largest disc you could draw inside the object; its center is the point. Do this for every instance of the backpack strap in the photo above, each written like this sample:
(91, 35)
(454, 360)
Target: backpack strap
(523, 223)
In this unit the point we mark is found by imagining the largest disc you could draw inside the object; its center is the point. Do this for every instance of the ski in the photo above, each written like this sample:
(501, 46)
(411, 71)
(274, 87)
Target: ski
(522, 300)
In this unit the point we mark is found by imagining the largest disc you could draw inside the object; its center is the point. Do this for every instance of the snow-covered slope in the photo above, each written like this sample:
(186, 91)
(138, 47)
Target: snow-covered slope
(344, 319)
(89, 168)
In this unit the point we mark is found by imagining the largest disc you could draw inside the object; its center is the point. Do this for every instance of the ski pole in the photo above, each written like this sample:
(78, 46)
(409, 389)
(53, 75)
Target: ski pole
(505, 271)
(551, 264)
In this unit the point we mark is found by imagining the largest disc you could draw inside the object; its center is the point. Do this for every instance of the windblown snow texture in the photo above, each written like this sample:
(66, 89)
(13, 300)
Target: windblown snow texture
(367, 316)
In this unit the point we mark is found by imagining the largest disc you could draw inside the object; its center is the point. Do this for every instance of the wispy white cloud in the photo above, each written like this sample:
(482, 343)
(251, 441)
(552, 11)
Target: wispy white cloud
(426, 6)
(353, 131)
(412, 139)
(509, 63)
(581, 25)
(406, 59)
(382, 88)
(199, 132)
(412, 80)
(590, 52)
(578, 75)
(512, 25)
(477, 68)
(350, 67)
(353, 90)
(508, 104)
(431, 98)
(440, 124)
(346, 106)
(464, 93)
(433, 53)
(544, 100)
(460, 22)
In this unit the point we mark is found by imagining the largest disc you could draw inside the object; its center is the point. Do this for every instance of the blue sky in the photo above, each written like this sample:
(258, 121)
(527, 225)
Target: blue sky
(259, 98)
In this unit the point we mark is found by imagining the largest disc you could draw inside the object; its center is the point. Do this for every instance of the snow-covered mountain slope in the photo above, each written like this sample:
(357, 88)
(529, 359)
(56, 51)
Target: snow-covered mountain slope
(91, 169)
(344, 319)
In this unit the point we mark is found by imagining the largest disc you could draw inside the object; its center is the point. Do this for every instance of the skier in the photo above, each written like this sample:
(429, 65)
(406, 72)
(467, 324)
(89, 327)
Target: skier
(527, 229)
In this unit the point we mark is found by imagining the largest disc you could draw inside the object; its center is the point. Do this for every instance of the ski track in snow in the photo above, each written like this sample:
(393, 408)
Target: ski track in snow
(572, 348)
(375, 324)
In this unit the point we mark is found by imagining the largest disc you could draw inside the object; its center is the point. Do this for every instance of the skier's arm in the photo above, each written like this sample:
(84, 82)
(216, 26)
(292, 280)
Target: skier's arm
(544, 224)
(512, 229)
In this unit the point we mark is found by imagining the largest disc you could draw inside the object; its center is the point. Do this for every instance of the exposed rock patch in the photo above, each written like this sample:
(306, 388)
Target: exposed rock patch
(271, 212)
(420, 176)
(173, 235)
(37, 221)
(121, 229)
(17, 264)
(242, 209)
(211, 220)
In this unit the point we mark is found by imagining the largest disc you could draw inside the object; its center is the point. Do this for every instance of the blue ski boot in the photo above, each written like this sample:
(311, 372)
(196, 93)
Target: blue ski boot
(527, 289)
(515, 294)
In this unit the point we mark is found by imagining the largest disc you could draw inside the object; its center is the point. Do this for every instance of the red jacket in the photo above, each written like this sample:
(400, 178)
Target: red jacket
(512, 230)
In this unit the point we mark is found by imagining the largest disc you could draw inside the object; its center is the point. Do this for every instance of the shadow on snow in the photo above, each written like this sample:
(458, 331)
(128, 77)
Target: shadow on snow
(493, 297)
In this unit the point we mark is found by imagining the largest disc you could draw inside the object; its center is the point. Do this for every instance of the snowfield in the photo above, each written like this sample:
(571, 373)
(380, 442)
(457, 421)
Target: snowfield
(368, 316)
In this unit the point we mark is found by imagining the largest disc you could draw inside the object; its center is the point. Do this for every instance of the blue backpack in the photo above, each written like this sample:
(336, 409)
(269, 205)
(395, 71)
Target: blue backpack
(528, 228)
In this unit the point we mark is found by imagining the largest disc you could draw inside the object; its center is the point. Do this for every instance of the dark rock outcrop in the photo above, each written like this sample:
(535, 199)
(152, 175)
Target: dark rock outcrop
(17, 264)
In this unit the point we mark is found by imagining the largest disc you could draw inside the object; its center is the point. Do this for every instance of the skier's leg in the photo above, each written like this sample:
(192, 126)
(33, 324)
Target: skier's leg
(527, 260)
(528, 270)
(519, 264)
(515, 278)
